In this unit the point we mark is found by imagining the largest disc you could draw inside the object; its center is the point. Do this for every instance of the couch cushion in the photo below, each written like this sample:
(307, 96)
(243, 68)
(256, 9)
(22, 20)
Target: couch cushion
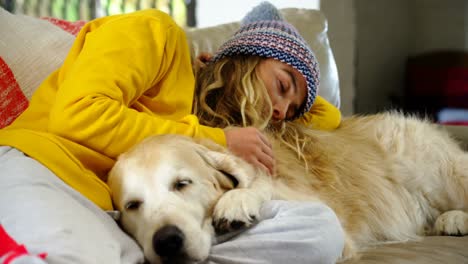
(430, 250)
(13, 101)
(29, 52)
(32, 48)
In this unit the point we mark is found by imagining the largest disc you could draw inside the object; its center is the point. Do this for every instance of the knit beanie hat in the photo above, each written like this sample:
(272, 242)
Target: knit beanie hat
(264, 33)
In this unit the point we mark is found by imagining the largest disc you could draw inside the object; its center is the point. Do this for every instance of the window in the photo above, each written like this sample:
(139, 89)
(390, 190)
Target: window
(181, 10)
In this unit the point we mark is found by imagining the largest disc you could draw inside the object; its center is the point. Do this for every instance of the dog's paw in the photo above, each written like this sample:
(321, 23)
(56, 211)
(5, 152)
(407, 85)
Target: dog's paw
(452, 223)
(236, 209)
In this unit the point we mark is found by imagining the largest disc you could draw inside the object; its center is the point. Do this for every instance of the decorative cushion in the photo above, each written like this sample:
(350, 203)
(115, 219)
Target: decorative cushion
(32, 48)
(13, 102)
(70, 27)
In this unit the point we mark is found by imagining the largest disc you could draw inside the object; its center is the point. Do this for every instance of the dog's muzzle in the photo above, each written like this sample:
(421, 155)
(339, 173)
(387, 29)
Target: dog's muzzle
(168, 242)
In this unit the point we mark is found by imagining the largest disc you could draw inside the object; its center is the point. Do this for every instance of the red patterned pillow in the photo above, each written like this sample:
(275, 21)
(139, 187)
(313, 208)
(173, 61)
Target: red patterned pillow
(30, 50)
(71, 27)
(13, 101)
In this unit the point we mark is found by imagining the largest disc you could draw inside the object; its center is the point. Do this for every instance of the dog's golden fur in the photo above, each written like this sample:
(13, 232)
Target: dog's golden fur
(389, 178)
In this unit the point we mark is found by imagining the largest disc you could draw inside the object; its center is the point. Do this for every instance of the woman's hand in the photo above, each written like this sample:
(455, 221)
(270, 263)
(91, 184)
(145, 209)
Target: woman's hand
(202, 59)
(251, 145)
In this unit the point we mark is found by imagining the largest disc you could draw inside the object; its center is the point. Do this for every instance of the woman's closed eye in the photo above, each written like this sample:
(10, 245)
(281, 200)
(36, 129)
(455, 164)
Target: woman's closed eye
(283, 87)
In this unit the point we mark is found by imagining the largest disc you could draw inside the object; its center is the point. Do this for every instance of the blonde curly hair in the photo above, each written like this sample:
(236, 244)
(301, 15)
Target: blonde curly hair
(230, 93)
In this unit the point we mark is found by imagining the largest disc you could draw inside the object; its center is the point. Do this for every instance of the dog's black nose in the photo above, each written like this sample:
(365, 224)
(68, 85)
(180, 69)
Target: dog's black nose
(168, 241)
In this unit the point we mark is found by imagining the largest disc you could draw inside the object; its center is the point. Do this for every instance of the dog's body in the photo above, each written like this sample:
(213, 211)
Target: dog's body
(387, 177)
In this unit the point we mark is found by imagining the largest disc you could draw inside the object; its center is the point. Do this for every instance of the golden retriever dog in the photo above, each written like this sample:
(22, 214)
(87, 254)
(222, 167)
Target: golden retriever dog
(389, 178)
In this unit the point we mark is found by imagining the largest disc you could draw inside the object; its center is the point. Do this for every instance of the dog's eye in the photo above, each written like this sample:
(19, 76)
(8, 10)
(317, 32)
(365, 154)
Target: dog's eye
(133, 205)
(234, 180)
(180, 184)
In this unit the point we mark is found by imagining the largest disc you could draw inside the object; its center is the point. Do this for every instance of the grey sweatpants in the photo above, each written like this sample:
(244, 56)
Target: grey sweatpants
(40, 211)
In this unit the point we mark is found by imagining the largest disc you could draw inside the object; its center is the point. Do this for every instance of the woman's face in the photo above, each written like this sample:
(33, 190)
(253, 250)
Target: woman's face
(286, 87)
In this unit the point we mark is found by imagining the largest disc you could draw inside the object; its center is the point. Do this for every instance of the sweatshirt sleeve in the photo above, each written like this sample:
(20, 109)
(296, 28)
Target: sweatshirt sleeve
(114, 65)
(323, 115)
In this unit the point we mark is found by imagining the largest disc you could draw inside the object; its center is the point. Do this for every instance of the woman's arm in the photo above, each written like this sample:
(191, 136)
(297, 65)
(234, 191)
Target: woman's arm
(114, 66)
(323, 115)
(287, 232)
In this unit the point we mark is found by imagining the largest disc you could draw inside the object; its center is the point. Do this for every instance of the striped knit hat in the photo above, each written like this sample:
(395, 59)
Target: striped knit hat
(264, 33)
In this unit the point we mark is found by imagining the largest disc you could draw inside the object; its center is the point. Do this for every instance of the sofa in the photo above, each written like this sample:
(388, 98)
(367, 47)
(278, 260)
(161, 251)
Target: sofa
(31, 48)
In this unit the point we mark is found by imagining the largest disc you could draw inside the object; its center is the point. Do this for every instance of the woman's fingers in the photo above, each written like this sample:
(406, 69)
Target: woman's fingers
(260, 165)
(204, 57)
(267, 156)
(251, 145)
(267, 161)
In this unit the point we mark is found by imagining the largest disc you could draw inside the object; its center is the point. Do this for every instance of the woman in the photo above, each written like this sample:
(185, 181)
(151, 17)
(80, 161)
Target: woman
(130, 76)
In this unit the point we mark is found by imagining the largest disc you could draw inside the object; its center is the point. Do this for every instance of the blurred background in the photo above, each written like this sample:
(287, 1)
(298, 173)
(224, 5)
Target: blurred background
(181, 10)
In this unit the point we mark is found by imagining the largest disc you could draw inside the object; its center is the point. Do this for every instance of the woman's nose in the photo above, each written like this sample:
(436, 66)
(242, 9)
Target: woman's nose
(280, 110)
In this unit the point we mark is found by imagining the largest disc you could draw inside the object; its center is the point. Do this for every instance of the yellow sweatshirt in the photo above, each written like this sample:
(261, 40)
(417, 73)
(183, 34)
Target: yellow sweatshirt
(125, 78)
(323, 115)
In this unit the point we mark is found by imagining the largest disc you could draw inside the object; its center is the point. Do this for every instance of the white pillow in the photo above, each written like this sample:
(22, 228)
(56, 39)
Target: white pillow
(32, 48)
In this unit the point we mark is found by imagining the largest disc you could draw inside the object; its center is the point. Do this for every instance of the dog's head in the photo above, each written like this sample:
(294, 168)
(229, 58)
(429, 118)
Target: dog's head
(166, 188)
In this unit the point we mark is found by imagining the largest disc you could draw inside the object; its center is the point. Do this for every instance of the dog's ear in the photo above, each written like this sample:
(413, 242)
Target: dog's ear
(210, 144)
(234, 172)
